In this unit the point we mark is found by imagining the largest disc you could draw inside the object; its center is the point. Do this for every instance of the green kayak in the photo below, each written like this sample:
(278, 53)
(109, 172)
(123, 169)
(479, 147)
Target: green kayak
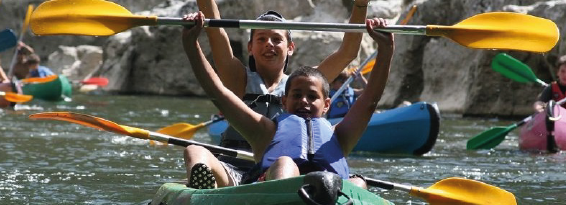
(55, 90)
(284, 191)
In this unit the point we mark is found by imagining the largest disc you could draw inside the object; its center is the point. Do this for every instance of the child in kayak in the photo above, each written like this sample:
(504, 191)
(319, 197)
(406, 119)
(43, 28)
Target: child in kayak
(346, 98)
(556, 90)
(261, 83)
(36, 70)
(305, 101)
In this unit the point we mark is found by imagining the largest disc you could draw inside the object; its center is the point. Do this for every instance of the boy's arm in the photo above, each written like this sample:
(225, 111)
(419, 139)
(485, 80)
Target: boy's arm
(3, 76)
(348, 51)
(230, 69)
(355, 122)
(253, 126)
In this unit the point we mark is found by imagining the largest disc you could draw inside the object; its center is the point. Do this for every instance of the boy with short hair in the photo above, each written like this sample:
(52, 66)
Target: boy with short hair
(36, 70)
(306, 100)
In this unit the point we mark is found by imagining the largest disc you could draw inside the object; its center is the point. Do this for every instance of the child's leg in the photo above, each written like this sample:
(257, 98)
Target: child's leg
(284, 167)
(200, 155)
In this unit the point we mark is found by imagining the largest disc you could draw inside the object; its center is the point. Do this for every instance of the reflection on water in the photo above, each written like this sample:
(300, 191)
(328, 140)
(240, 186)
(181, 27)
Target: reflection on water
(48, 162)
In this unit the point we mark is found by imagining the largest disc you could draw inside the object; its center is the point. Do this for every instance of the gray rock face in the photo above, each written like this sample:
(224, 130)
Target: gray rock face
(150, 60)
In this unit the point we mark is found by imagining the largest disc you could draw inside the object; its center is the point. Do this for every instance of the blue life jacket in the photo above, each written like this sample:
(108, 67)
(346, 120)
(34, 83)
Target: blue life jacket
(342, 104)
(41, 72)
(292, 139)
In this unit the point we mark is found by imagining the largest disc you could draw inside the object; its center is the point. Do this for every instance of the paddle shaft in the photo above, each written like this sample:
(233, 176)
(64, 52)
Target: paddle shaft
(309, 26)
(387, 185)
(213, 148)
(351, 78)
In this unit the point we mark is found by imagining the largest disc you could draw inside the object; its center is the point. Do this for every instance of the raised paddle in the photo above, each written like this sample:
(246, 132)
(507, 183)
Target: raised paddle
(453, 190)
(497, 30)
(22, 32)
(448, 191)
(102, 124)
(362, 66)
(514, 69)
(494, 136)
(14, 97)
(7, 39)
(186, 130)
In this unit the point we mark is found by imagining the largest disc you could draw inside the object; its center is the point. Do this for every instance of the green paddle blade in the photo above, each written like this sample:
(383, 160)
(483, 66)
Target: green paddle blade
(513, 68)
(490, 138)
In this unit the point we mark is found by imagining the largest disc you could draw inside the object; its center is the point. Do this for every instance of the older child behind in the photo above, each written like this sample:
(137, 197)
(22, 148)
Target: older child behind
(305, 100)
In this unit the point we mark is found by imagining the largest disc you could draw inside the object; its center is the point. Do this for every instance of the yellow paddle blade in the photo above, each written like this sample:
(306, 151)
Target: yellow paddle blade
(368, 67)
(94, 122)
(456, 190)
(84, 17)
(17, 98)
(501, 30)
(40, 80)
(181, 130)
(26, 20)
(409, 15)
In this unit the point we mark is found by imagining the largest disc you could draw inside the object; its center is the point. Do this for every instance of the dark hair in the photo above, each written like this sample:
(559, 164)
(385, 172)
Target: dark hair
(271, 16)
(307, 71)
(342, 77)
(33, 59)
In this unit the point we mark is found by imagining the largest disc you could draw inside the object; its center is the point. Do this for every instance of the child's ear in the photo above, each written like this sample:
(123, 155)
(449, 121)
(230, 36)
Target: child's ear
(291, 48)
(250, 47)
(326, 105)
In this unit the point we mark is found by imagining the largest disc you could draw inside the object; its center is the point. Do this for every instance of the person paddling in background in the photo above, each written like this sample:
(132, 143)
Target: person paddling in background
(36, 70)
(277, 143)
(556, 91)
(262, 83)
(344, 102)
(21, 70)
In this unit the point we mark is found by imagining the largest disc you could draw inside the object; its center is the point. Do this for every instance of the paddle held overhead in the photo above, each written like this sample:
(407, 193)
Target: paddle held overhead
(497, 30)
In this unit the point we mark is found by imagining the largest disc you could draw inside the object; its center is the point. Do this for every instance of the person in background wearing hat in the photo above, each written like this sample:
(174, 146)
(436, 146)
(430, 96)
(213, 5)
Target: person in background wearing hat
(556, 90)
(261, 84)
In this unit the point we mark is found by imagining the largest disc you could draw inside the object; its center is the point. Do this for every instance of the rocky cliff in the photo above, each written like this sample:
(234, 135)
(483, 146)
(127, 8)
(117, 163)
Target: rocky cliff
(150, 60)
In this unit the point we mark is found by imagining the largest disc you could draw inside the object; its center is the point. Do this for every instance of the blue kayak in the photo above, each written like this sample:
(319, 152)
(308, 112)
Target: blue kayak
(405, 130)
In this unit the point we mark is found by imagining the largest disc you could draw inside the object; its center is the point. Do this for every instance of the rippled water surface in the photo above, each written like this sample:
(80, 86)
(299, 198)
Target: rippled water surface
(51, 162)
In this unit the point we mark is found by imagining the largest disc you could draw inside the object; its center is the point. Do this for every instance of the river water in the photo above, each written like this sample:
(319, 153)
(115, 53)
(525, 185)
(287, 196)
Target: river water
(52, 162)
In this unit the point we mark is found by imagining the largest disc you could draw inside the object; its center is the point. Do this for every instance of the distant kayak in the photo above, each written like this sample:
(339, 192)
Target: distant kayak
(53, 90)
(406, 130)
(545, 132)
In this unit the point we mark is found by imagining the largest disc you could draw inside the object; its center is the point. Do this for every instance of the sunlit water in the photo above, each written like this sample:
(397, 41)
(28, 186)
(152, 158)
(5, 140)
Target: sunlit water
(51, 162)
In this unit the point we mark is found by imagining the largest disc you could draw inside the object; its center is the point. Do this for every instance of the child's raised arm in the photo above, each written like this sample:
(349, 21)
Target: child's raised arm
(348, 51)
(253, 126)
(355, 122)
(230, 69)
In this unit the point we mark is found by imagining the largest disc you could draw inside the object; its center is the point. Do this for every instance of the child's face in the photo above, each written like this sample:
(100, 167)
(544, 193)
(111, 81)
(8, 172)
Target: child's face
(305, 98)
(562, 74)
(270, 48)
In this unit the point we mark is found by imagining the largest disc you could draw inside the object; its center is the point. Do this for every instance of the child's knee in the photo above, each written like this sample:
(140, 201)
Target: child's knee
(195, 151)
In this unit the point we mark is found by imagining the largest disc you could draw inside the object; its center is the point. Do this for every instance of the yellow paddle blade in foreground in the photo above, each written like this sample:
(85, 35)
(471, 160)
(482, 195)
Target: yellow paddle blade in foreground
(84, 17)
(501, 30)
(181, 130)
(14, 97)
(40, 80)
(94, 122)
(456, 190)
